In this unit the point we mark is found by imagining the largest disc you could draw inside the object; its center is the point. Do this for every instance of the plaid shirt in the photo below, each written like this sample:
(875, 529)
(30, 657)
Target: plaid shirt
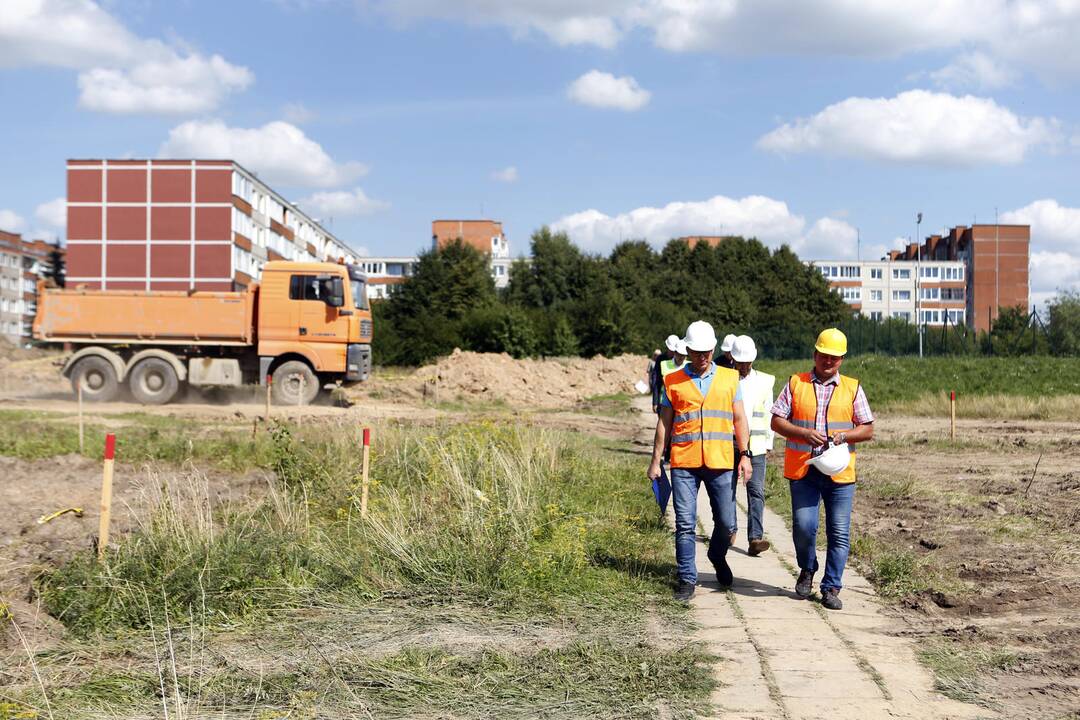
(824, 391)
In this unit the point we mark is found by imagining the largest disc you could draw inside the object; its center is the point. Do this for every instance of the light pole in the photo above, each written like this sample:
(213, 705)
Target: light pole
(918, 274)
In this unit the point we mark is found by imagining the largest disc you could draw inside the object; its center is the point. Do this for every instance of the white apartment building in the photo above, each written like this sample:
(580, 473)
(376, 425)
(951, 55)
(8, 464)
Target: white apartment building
(888, 289)
(383, 272)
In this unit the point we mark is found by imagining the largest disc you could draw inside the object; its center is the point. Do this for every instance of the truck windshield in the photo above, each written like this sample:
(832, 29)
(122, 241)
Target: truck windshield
(359, 293)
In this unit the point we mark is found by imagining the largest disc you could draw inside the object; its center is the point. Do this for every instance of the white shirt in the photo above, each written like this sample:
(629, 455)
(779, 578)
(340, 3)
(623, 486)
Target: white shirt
(757, 392)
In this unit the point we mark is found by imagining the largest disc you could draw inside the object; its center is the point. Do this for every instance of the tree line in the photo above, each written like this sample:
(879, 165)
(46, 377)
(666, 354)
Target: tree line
(566, 302)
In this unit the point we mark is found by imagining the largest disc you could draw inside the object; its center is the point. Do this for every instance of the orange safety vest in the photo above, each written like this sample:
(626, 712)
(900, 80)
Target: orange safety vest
(703, 430)
(840, 415)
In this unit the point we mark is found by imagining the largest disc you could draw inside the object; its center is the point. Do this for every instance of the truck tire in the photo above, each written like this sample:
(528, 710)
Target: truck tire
(98, 379)
(153, 381)
(287, 384)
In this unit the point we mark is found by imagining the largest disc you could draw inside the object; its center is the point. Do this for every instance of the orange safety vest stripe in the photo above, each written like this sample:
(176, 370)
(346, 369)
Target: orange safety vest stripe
(840, 415)
(703, 429)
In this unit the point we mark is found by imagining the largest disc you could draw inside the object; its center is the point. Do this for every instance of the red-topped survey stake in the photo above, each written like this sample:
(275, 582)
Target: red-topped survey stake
(106, 494)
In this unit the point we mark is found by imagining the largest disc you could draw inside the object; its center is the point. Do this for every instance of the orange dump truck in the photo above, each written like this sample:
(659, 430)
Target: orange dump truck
(307, 325)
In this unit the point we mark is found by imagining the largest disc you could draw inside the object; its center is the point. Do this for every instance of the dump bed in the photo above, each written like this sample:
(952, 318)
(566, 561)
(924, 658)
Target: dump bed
(136, 317)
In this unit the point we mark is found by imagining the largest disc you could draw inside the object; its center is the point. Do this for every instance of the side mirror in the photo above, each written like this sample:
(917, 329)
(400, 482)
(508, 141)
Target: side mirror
(336, 298)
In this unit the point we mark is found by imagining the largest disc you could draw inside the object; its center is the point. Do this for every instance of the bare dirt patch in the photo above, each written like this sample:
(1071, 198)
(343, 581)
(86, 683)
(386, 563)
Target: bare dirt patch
(996, 542)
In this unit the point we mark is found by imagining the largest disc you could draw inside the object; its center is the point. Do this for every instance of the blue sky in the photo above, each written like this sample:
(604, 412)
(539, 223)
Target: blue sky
(797, 122)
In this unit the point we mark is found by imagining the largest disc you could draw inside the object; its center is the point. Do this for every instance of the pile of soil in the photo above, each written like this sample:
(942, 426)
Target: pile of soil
(499, 378)
(29, 369)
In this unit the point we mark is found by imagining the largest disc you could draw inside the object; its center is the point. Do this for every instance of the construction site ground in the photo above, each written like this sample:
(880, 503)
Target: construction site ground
(971, 549)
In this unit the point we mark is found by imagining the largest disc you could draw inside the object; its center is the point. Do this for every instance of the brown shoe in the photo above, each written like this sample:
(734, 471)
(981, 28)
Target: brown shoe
(758, 546)
(731, 540)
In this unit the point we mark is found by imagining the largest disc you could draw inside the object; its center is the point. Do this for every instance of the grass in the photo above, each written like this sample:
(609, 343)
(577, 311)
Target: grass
(958, 670)
(614, 405)
(499, 524)
(890, 381)
(990, 407)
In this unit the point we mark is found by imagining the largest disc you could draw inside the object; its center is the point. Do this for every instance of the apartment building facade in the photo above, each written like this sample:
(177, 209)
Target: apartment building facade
(183, 225)
(22, 264)
(963, 277)
(487, 236)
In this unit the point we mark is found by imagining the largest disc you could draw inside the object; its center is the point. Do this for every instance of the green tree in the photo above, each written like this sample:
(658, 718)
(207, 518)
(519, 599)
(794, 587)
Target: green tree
(1063, 327)
(55, 268)
(553, 276)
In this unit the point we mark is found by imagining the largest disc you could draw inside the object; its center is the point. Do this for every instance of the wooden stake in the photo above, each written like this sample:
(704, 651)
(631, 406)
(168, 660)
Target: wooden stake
(106, 494)
(82, 444)
(364, 473)
(952, 415)
(299, 399)
(269, 383)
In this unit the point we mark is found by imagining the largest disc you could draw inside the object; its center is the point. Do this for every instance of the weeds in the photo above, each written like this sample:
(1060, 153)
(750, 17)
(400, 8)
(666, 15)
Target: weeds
(959, 671)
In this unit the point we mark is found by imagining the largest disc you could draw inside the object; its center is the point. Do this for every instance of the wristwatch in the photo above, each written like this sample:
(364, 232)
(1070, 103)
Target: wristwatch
(746, 453)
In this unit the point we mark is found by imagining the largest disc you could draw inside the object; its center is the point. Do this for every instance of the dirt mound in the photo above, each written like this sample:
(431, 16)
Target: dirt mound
(499, 378)
(33, 370)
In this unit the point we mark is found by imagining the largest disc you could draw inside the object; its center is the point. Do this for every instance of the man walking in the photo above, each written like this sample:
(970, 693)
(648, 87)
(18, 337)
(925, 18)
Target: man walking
(701, 412)
(667, 363)
(816, 409)
(725, 352)
(757, 393)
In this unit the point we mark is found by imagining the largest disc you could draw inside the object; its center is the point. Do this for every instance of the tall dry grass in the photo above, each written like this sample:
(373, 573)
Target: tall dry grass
(991, 407)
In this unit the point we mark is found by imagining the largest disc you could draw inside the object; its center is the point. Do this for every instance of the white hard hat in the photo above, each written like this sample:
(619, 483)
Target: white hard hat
(729, 342)
(833, 461)
(700, 337)
(675, 344)
(743, 349)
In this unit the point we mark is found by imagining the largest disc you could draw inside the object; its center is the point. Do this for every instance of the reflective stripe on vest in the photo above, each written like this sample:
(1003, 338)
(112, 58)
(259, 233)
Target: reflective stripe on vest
(703, 429)
(757, 391)
(840, 415)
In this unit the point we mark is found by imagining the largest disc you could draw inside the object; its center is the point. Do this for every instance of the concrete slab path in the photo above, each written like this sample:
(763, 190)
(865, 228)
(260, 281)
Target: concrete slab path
(783, 657)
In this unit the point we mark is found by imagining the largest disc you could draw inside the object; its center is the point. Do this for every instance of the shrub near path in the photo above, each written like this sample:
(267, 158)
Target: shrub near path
(502, 573)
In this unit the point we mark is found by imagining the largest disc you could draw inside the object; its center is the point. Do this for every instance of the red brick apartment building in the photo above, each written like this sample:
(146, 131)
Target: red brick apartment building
(996, 258)
(485, 235)
(182, 224)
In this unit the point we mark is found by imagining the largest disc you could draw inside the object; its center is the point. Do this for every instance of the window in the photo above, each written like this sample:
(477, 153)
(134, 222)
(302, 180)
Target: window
(875, 315)
(901, 295)
(875, 296)
(901, 274)
(310, 287)
(930, 317)
(929, 273)
(930, 293)
(902, 315)
(849, 293)
(956, 317)
(829, 270)
(875, 273)
(954, 273)
(952, 293)
(850, 271)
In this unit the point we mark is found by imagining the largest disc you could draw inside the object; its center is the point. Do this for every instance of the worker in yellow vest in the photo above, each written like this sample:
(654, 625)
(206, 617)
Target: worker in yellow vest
(821, 413)
(757, 392)
(701, 413)
(669, 362)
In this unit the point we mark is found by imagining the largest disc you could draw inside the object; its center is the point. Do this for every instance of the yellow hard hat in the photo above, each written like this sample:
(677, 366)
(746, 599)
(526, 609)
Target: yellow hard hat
(831, 342)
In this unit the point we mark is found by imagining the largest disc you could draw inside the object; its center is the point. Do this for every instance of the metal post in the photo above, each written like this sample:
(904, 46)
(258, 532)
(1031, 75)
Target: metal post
(918, 279)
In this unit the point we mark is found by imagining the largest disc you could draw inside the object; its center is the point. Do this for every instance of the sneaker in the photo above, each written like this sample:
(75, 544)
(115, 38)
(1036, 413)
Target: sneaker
(758, 546)
(830, 598)
(684, 591)
(805, 584)
(724, 575)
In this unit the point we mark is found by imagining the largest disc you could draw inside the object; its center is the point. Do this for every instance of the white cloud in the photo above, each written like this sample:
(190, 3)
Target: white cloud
(172, 84)
(1051, 273)
(341, 203)
(120, 72)
(828, 238)
(975, 70)
(754, 216)
(916, 127)
(1035, 34)
(297, 114)
(11, 221)
(281, 153)
(604, 90)
(508, 174)
(1053, 226)
(53, 213)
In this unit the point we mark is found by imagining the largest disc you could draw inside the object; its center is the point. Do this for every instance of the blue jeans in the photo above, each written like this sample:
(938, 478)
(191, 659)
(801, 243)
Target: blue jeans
(806, 495)
(720, 486)
(755, 500)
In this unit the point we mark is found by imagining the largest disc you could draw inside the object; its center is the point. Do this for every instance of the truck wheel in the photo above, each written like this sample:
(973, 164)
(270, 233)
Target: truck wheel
(97, 377)
(289, 378)
(153, 381)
